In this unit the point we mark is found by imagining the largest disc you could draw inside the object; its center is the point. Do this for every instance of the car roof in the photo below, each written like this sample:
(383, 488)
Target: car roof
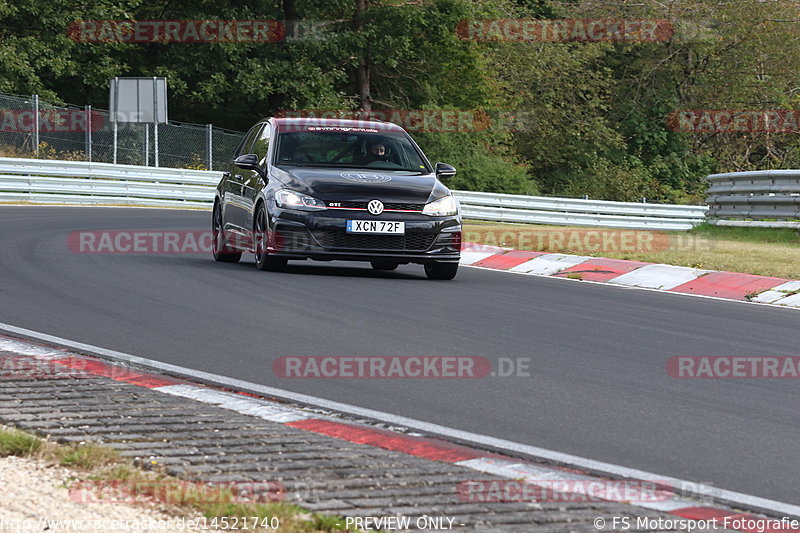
(336, 122)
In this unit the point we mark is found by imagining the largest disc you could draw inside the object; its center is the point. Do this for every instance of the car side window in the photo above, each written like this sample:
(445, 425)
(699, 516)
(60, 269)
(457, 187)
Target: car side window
(261, 144)
(246, 145)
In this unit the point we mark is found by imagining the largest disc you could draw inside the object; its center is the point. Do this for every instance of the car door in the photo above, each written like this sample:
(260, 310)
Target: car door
(233, 203)
(253, 183)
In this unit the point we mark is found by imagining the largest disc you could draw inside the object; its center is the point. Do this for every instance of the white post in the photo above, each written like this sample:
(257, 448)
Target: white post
(36, 124)
(155, 116)
(89, 132)
(146, 144)
(209, 145)
(113, 114)
(155, 141)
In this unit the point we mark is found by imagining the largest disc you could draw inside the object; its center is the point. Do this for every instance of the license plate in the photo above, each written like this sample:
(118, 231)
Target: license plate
(376, 226)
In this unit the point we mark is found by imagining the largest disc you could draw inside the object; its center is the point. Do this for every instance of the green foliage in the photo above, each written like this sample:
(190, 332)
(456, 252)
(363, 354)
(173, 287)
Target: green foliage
(596, 114)
(482, 165)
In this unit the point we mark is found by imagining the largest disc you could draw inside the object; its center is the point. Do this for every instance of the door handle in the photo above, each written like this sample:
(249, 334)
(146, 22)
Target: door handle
(240, 182)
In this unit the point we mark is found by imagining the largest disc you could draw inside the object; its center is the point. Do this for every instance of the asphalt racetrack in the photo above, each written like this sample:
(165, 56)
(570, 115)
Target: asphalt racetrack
(598, 386)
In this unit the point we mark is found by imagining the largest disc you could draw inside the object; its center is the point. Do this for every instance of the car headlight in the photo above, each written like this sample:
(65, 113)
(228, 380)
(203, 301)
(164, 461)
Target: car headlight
(294, 200)
(442, 207)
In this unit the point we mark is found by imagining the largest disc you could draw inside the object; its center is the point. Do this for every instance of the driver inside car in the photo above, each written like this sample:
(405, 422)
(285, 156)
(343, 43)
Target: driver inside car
(376, 152)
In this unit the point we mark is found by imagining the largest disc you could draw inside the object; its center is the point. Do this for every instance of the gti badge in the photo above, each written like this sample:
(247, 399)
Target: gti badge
(375, 207)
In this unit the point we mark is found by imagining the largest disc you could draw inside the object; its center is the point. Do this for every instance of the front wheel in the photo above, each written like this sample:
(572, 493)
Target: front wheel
(439, 270)
(264, 261)
(220, 249)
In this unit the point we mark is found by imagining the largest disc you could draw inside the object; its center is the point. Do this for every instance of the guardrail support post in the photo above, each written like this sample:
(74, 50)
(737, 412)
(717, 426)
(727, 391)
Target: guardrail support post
(88, 111)
(155, 141)
(36, 124)
(155, 117)
(209, 145)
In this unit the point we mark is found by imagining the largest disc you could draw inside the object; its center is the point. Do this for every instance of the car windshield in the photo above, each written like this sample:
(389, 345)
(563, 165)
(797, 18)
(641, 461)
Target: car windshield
(339, 149)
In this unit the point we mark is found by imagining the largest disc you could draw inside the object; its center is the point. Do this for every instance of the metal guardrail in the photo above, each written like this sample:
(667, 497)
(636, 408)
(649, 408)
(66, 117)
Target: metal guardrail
(574, 212)
(78, 182)
(766, 198)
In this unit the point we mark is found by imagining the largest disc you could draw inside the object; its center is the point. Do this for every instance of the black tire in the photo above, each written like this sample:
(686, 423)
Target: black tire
(264, 261)
(219, 247)
(439, 270)
(383, 265)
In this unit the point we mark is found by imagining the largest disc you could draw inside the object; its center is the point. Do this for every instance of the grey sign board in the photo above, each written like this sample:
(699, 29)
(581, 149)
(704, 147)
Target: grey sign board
(139, 100)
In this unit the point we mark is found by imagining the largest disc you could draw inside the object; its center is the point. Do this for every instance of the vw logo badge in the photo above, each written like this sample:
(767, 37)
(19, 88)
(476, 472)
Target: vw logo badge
(375, 207)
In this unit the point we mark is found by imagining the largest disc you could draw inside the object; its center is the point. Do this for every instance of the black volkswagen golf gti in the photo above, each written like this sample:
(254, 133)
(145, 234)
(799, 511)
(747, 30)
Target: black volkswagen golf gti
(327, 189)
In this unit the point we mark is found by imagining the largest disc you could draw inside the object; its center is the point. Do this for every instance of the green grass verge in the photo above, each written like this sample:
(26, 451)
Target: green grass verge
(15, 442)
(758, 235)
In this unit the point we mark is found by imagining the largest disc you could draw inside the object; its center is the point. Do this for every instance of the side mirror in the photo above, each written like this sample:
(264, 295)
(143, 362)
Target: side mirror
(444, 171)
(248, 162)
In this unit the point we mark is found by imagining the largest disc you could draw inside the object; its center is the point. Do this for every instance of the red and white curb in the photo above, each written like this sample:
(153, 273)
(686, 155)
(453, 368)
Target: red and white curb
(431, 448)
(676, 279)
(785, 293)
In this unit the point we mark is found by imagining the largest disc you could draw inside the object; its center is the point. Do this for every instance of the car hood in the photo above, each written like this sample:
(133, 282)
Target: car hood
(362, 185)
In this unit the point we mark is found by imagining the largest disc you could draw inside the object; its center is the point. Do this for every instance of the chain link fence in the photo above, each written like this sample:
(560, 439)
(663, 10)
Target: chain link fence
(30, 127)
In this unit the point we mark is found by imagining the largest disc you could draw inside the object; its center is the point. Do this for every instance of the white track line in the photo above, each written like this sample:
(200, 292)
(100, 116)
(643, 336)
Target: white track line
(271, 411)
(752, 503)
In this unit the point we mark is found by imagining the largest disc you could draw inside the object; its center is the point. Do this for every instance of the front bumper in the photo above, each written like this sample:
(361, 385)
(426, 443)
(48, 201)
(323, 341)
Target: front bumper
(322, 235)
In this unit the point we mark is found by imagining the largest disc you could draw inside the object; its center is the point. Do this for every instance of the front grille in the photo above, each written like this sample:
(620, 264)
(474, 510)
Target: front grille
(389, 205)
(413, 242)
(404, 207)
(354, 205)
